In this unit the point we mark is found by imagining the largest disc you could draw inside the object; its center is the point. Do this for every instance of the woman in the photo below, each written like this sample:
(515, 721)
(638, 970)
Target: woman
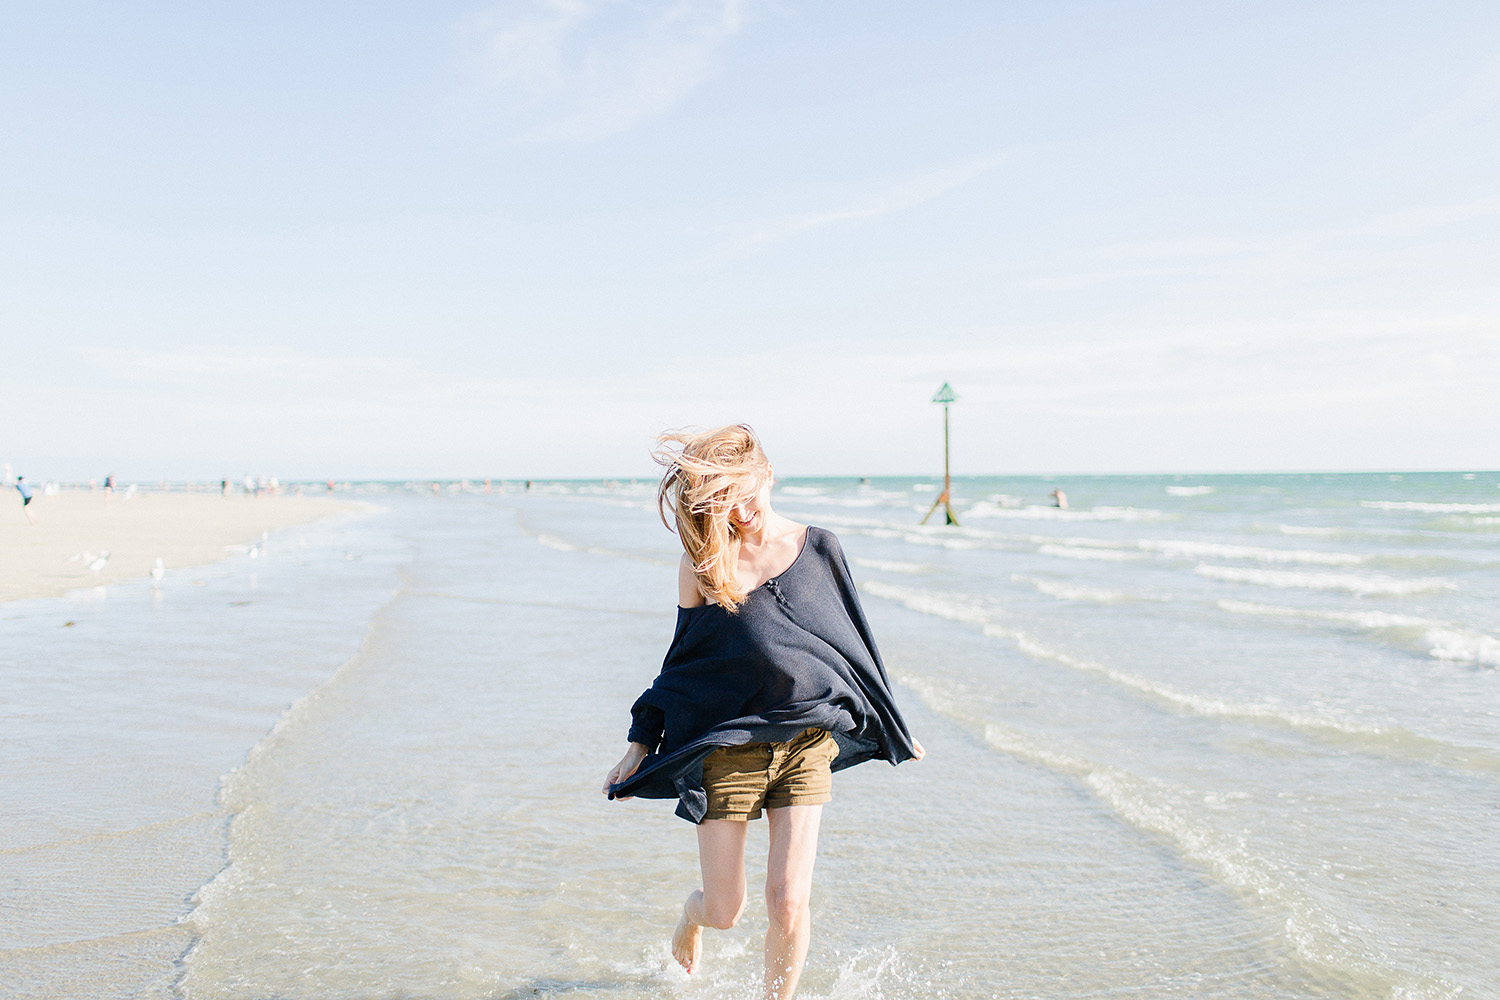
(771, 683)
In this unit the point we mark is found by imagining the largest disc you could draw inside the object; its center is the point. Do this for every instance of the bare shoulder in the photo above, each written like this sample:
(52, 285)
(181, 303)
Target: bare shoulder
(688, 594)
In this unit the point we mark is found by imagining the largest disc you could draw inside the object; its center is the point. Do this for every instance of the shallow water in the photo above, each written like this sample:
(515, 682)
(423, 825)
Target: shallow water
(1218, 736)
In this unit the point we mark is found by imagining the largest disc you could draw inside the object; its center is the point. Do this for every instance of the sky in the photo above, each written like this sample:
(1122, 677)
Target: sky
(519, 239)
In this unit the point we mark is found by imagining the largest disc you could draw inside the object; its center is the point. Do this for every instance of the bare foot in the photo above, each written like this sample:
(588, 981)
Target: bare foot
(687, 943)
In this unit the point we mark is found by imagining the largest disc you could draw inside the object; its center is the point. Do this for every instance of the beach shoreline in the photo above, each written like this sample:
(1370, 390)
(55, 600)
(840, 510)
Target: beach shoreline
(65, 549)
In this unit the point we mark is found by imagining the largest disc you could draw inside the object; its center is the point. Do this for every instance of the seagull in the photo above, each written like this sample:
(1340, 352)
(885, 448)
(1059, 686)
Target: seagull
(157, 572)
(98, 564)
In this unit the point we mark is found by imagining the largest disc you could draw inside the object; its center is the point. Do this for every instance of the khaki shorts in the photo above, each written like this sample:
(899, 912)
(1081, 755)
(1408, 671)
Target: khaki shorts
(740, 780)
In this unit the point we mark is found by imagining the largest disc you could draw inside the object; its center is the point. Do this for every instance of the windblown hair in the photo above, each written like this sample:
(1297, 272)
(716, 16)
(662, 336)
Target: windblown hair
(708, 472)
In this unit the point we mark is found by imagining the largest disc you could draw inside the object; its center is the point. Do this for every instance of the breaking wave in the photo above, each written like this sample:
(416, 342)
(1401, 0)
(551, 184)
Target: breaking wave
(989, 509)
(1432, 508)
(1363, 585)
(1073, 591)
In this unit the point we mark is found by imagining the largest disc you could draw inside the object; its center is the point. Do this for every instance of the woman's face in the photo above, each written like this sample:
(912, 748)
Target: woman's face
(748, 515)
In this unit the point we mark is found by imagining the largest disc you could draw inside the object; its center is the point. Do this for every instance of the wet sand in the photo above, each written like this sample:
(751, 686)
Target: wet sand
(53, 555)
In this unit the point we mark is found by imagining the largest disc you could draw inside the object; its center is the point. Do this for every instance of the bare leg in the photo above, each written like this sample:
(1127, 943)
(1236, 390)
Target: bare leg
(789, 871)
(721, 853)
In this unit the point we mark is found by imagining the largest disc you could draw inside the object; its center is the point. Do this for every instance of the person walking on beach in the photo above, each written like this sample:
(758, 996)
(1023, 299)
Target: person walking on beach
(25, 492)
(772, 682)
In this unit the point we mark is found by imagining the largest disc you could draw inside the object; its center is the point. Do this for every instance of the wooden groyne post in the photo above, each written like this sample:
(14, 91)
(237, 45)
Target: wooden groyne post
(945, 395)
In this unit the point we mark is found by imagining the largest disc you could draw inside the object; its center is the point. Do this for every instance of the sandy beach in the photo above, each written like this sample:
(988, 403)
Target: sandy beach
(53, 555)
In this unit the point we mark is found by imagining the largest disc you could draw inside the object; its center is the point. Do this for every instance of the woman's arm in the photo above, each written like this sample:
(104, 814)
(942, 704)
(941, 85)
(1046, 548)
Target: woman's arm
(634, 754)
(688, 594)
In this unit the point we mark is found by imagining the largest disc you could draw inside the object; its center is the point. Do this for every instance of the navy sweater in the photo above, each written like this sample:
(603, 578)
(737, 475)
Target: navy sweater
(797, 654)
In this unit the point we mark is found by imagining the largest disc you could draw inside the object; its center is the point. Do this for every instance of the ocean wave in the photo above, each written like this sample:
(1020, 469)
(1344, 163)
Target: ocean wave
(820, 500)
(1362, 585)
(557, 544)
(962, 608)
(916, 537)
(1178, 814)
(1189, 491)
(802, 491)
(1432, 508)
(563, 545)
(890, 565)
(1074, 592)
(955, 607)
(1300, 529)
(1173, 812)
(1362, 619)
(1438, 639)
(1219, 550)
(989, 509)
(1079, 552)
(1462, 646)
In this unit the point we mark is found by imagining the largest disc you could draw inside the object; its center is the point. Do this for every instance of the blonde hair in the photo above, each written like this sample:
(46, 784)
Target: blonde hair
(708, 472)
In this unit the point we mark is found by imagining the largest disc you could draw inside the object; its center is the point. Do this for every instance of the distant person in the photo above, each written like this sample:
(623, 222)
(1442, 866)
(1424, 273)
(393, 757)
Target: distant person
(223, 487)
(109, 488)
(1059, 499)
(25, 492)
(771, 683)
(330, 486)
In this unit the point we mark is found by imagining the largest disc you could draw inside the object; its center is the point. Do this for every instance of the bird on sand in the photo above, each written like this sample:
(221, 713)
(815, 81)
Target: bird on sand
(98, 564)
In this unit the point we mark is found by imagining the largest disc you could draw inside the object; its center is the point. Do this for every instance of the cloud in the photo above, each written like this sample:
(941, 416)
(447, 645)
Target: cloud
(889, 199)
(1478, 98)
(583, 70)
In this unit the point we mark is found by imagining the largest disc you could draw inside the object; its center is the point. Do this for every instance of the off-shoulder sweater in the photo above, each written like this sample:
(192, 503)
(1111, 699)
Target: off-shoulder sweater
(797, 654)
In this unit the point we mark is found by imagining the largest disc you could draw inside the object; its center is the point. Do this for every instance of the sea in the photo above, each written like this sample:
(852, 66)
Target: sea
(1230, 736)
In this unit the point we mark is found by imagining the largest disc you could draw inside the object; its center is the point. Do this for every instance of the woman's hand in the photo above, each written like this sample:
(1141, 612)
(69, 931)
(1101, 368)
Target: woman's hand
(916, 745)
(634, 754)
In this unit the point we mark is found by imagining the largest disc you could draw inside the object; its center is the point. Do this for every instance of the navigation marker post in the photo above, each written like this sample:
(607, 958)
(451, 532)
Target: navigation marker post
(945, 395)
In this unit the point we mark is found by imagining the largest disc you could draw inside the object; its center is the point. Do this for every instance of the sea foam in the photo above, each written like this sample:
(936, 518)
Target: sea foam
(1432, 508)
(1219, 550)
(1361, 584)
(1073, 592)
(988, 509)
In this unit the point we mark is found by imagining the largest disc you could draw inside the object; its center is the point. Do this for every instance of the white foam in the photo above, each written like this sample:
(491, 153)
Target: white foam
(1360, 584)
(1219, 550)
(1167, 810)
(891, 565)
(989, 509)
(1096, 543)
(1298, 529)
(956, 607)
(1189, 491)
(1487, 520)
(802, 491)
(821, 500)
(1432, 508)
(965, 609)
(1080, 552)
(1363, 619)
(1463, 647)
(553, 542)
(1073, 592)
(917, 537)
